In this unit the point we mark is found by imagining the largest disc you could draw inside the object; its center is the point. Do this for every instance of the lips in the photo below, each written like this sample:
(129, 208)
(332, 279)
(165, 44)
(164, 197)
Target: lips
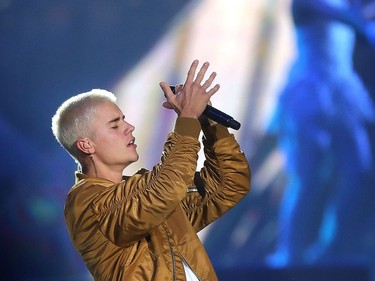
(132, 142)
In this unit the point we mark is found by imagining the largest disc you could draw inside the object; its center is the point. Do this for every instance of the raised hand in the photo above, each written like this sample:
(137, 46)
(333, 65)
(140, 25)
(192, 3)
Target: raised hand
(192, 98)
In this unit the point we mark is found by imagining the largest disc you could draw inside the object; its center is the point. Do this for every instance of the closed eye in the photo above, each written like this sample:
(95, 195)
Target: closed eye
(115, 121)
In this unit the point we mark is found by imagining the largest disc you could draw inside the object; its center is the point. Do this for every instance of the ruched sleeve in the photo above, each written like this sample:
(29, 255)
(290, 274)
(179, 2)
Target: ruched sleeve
(128, 211)
(222, 182)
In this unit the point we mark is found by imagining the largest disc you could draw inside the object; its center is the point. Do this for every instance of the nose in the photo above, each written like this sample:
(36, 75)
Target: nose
(129, 127)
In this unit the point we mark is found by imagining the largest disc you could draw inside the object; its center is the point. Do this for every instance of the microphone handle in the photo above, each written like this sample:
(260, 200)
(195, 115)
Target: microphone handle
(218, 116)
(221, 117)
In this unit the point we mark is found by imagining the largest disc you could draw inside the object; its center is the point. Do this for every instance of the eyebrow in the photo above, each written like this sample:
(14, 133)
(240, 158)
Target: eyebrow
(117, 119)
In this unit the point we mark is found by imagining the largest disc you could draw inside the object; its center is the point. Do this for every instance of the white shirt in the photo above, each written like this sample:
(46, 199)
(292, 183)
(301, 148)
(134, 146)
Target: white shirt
(190, 275)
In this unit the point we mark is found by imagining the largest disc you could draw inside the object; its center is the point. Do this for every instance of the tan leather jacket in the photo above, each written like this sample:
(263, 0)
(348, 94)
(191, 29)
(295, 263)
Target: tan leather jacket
(143, 227)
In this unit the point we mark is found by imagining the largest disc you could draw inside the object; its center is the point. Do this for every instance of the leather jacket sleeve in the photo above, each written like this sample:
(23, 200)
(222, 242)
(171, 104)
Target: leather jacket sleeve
(127, 212)
(222, 182)
(143, 201)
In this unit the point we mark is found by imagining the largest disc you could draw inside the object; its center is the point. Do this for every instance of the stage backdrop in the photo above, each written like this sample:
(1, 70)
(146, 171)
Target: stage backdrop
(53, 49)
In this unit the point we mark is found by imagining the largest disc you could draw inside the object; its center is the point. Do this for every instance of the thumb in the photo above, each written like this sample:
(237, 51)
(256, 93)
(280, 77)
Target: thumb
(167, 105)
(167, 90)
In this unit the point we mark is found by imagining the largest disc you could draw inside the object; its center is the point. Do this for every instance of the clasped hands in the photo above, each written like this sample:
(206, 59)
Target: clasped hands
(191, 98)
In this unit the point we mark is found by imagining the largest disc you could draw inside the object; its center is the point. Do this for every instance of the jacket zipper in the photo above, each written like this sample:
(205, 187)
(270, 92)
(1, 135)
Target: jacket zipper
(174, 259)
(172, 255)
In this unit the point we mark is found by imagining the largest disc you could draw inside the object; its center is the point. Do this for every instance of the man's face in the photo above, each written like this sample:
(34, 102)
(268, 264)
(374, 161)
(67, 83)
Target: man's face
(113, 140)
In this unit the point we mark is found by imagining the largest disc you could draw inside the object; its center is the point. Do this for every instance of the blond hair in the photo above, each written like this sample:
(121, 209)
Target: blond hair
(73, 119)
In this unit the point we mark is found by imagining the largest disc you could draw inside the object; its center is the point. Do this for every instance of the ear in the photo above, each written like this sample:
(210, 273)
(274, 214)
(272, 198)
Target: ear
(85, 145)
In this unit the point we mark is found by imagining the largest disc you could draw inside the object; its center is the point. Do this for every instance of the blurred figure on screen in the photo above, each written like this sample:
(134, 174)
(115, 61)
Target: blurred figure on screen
(321, 123)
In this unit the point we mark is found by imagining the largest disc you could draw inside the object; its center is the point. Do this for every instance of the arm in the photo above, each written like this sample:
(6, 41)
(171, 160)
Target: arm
(222, 182)
(130, 211)
(150, 199)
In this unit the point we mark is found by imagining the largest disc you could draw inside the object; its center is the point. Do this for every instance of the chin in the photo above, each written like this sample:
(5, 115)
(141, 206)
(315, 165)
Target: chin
(135, 159)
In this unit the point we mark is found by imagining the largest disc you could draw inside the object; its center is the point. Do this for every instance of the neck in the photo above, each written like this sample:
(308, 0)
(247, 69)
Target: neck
(96, 170)
(115, 177)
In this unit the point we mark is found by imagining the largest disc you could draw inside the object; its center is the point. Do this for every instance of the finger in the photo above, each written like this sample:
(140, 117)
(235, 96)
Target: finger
(167, 105)
(191, 72)
(209, 81)
(201, 73)
(178, 88)
(167, 90)
(213, 90)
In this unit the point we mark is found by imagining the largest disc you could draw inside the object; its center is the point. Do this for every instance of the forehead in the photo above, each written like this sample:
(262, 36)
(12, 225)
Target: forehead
(107, 111)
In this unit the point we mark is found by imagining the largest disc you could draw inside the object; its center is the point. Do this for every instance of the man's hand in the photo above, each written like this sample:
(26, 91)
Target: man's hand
(192, 98)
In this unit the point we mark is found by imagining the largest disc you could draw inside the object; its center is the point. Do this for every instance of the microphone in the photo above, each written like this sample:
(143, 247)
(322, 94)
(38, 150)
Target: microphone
(217, 115)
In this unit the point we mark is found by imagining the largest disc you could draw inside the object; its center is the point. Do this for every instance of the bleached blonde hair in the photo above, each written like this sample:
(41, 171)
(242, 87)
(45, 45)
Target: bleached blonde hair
(73, 119)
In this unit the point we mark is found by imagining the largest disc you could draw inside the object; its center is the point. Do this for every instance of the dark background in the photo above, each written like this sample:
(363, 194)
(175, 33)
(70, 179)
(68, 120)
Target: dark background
(50, 50)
